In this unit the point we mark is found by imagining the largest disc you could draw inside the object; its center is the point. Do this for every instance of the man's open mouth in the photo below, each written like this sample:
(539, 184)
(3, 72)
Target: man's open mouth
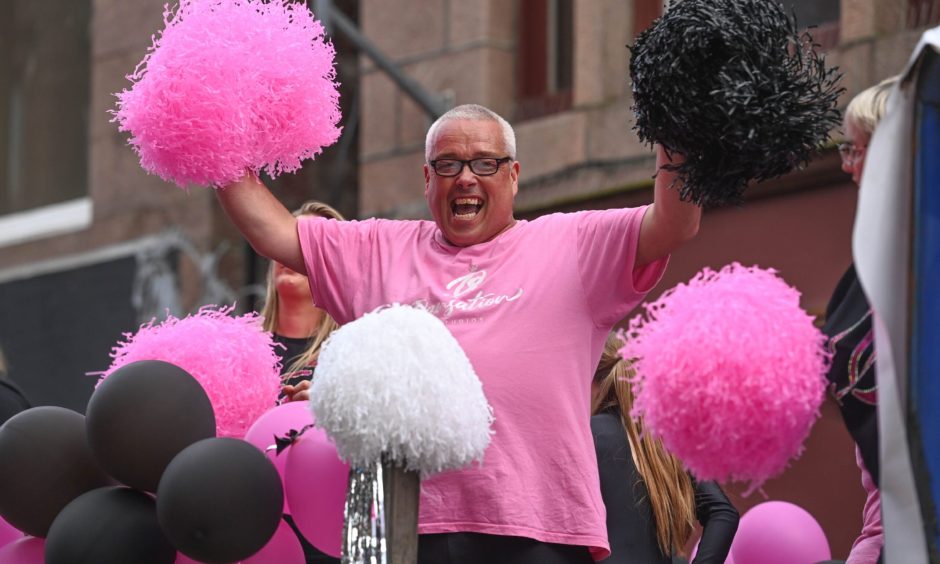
(465, 209)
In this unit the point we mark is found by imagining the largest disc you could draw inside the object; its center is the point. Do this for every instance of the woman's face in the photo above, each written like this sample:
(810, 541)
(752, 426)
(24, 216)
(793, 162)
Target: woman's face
(853, 150)
(290, 284)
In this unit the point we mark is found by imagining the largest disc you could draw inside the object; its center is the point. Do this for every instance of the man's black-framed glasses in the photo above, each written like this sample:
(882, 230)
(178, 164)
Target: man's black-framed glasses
(486, 166)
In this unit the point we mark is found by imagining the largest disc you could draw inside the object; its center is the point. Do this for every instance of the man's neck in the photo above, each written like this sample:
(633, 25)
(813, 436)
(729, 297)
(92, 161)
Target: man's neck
(509, 226)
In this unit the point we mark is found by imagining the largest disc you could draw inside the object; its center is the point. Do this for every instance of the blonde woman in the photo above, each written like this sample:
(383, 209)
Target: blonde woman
(301, 328)
(297, 324)
(652, 503)
(852, 379)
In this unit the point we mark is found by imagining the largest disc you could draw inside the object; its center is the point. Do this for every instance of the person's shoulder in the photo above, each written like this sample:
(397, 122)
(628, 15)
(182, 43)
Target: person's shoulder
(607, 428)
(12, 400)
(588, 216)
(559, 217)
(546, 225)
(402, 232)
(385, 228)
(401, 225)
(610, 442)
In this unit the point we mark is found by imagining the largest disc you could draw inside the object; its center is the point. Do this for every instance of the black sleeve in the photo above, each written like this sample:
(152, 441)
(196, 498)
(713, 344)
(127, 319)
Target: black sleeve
(719, 521)
(631, 529)
(12, 400)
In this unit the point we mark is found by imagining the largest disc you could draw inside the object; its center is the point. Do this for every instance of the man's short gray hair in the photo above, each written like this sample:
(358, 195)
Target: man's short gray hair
(472, 112)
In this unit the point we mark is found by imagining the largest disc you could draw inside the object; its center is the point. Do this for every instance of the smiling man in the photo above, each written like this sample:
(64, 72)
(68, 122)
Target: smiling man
(531, 303)
(471, 176)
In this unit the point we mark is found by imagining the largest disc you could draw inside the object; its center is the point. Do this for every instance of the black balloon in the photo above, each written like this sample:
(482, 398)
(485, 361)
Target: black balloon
(143, 415)
(220, 500)
(114, 525)
(45, 463)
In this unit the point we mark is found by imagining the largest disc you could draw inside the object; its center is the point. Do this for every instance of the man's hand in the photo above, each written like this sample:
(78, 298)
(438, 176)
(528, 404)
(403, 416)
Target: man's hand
(669, 222)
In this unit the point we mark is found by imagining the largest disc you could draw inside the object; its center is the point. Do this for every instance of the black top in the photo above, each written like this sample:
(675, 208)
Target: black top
(851, 375)
(293, 349)
(631, 528)
(12, 400)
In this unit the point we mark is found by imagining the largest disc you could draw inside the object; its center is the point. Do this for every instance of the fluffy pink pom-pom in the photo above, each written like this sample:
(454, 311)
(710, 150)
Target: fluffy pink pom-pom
(730, 373)
(232, 357)
(230, 86)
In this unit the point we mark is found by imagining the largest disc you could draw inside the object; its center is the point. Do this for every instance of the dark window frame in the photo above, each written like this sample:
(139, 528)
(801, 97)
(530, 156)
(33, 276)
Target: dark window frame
(922, 13)
(45, 95)
(545, 58)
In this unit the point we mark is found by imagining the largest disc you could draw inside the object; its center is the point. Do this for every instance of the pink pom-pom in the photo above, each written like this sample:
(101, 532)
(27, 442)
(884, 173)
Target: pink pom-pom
(230, 86)
(232, 357)
(730, 373)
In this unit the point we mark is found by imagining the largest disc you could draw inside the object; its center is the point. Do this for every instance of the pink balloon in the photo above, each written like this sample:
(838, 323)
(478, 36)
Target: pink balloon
(316, 481)
(9, 533)
(27, 550)
(278, 421)
(283, 548)
(778, 532)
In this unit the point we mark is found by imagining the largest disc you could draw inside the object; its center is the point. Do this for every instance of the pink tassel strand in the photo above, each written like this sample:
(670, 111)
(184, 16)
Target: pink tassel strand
(730, 373)
(230, 86)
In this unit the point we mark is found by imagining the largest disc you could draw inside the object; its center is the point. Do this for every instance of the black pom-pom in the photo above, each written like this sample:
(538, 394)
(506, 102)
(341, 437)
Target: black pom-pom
(735, 87)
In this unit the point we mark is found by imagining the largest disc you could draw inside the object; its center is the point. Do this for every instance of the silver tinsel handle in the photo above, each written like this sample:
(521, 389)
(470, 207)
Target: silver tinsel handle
(364, 530)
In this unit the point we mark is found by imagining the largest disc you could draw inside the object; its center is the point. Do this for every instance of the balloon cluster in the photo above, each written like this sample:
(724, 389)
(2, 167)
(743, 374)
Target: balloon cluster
(87, 484)
(157, 471)
(314, 477)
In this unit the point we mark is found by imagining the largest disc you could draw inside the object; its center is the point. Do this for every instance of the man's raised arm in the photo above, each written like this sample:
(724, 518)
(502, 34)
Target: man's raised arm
(669, 222)
(267, 225)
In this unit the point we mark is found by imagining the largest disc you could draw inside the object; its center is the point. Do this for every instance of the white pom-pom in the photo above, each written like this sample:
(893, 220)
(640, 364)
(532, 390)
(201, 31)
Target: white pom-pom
(396, 381)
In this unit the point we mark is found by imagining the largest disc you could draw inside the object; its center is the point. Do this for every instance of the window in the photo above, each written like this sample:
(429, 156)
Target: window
(59, 324)
(44, 98)
(545, 57)
(922, 13)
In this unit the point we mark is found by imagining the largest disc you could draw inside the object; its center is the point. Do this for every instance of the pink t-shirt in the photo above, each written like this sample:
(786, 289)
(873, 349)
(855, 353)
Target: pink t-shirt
(531, 309)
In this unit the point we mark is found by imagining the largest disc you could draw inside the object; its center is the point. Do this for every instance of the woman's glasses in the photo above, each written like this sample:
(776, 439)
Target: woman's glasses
(850, 152)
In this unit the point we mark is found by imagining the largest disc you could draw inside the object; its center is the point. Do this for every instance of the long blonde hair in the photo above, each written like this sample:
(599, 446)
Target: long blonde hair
(271, 300)
(671, 495)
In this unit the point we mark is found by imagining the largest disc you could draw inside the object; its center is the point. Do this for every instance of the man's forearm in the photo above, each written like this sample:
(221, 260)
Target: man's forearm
(683, 217)
(670, 221)
(267, 225)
